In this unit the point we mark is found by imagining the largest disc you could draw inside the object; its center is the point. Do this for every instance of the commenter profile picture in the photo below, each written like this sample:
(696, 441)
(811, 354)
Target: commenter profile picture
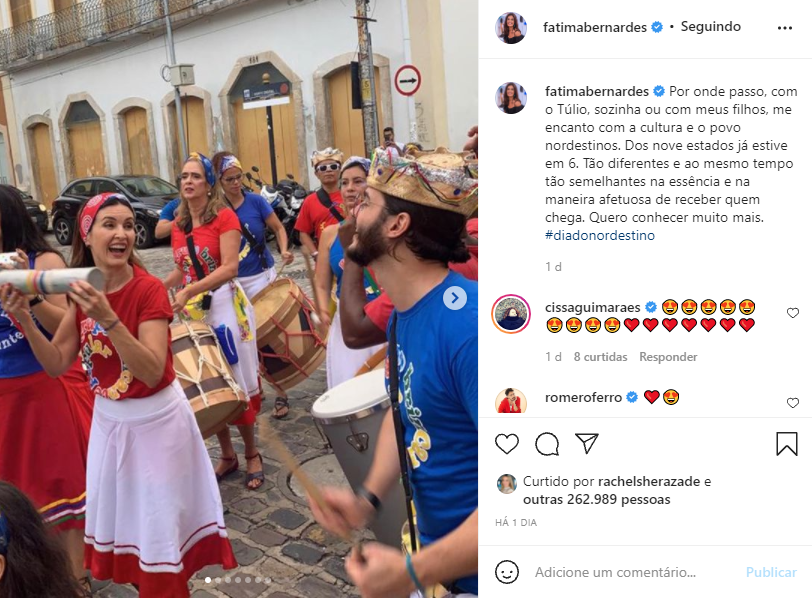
(511, 28)
(511, 400)
(511, 98)
(510, 314)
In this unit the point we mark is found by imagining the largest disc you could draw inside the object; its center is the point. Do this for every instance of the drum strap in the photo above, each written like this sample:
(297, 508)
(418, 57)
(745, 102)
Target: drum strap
(324, 199)
(394, 391)
(190, 244)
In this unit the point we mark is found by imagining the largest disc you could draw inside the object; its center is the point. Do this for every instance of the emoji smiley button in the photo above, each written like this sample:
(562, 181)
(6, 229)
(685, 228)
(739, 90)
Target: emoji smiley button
(671, 397)
(612, 325)
(728, 306)
(593, 324)
(573, 324)
(708, 307)
(689, 307)
(747, 307)
(554, 325)
(507, 572)
(670, 307)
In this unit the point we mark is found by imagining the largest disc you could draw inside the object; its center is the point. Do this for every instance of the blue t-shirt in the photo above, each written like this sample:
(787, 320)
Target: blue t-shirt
(438, 365)
(168, 211)
(253, 212)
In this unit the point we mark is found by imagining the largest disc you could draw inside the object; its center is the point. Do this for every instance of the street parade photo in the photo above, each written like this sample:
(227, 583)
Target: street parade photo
(239, 298)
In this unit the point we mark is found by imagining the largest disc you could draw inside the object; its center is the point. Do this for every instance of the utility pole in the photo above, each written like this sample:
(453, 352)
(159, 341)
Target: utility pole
(366, 70)
(170, 42)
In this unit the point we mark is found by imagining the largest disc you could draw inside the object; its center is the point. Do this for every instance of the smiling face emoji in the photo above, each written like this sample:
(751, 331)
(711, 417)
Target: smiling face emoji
(728, 306)
(593, 324)
(507, 572)
(708, 307)
(747, 307)
(573, 324)
(612, 325)
(689, 307)
(554, 325)
(671, 396)
(670, 307)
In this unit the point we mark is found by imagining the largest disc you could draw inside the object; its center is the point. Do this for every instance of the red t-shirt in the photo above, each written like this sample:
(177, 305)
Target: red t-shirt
(379, 309)
(207, 244)
(504, 406)
(143, 298)
(314, 217)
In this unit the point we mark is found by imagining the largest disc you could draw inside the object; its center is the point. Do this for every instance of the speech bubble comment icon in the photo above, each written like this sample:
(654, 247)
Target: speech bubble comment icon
(547, 444)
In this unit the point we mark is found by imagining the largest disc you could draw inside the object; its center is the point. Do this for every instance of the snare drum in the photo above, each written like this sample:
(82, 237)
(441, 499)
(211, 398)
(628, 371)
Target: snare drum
(206, 377)
(350, 416)
(290, 348)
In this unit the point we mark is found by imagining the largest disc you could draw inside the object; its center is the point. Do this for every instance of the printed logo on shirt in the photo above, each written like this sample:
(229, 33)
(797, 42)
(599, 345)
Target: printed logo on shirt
(182, 258)
(420, 446)
(91, 334)
(13, 337)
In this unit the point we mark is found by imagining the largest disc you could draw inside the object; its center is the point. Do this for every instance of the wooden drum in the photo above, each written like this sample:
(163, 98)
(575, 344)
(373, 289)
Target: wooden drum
(290, 348)
(206, 377)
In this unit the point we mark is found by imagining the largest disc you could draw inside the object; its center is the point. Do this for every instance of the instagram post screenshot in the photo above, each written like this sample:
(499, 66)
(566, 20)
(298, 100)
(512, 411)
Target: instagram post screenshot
(643, 365)
(239, 308)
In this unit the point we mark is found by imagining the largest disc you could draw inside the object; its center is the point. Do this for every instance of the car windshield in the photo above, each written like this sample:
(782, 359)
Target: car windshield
(147, 186)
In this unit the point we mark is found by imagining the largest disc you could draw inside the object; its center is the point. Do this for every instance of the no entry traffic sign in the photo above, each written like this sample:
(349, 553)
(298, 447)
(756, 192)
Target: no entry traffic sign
(407, 80)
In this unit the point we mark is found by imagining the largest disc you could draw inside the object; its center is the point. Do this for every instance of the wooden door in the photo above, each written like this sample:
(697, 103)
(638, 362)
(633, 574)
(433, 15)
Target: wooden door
(253, 147)
(194, 120)
(20, 11)
(348, 124)
(135, 125)
(43, 160)
(85, 143)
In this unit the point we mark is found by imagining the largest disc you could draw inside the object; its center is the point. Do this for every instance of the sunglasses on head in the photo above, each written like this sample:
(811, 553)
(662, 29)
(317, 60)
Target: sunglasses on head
(326, 167)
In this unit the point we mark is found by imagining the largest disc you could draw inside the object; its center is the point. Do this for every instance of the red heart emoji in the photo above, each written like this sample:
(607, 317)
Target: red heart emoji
(652, 395)
(669, 324)
(631, 323)
(727, 323)
(708, 323)
(747, 323)
(650, 323)
(688, 324)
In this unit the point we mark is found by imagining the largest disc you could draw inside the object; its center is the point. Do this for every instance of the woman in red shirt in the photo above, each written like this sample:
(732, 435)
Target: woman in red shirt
(214, 230)
(154, 515)
(511, 403)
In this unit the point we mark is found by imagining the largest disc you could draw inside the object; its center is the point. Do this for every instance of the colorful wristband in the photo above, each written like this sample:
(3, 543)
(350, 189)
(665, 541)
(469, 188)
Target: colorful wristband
(113, 325)
(413, 575)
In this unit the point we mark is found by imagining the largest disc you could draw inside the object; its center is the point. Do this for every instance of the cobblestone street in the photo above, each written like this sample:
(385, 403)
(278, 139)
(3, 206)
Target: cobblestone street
(282, 552)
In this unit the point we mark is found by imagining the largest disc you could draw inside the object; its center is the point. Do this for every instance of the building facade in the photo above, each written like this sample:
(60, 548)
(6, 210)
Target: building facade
(83, 91)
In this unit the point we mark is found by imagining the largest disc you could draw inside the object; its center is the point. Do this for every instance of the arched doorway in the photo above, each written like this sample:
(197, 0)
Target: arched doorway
(348, 124)
(85, 148)
(42, 164)
(251, 128)
(194, 121)
(137, 136)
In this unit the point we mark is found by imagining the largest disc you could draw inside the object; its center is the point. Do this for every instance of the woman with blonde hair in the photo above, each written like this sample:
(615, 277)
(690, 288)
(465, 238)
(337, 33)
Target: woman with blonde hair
(506, 485)
(206, 238)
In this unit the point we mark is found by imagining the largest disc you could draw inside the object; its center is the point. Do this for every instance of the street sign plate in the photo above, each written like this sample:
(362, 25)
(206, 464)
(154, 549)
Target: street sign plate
(407, 80)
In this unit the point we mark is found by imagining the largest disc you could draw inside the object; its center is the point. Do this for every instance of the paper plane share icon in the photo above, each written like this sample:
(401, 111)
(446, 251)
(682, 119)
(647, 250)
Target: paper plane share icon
(588, 441)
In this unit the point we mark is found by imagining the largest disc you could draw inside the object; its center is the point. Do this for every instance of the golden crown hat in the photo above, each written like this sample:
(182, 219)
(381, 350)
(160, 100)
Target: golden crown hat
(328, 154)
(437, 179)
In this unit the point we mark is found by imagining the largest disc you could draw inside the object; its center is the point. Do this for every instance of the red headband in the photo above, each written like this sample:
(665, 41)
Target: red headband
(92, 207)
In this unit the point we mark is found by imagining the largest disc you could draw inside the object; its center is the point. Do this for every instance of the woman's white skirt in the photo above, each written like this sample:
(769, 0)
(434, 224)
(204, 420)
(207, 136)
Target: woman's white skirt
(252, 285)
(343, 362)
(246, 370)
(154, 514)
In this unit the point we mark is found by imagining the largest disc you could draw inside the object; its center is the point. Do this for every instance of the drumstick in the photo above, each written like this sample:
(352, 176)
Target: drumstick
(312, 276)
(267, 434)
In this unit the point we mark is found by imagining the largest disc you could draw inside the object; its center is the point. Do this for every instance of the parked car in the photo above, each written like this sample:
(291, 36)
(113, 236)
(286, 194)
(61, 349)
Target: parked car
(37, 211)
(148, 195)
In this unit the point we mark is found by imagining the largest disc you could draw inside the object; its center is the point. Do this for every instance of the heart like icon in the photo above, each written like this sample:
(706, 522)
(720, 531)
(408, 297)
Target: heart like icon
(507, 442)
(650, 323)
(747, 323)
(708, 323)
(727, 323)
(793, 402)
(792, 312)
(631, 323)
(652, 395)
(688, 324)
(669, 324)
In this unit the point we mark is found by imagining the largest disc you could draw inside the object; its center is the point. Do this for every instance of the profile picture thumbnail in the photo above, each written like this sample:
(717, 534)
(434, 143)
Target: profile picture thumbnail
(506, 484)
(511, 28)
(511, 400)
(511, 98)
(510, 314)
